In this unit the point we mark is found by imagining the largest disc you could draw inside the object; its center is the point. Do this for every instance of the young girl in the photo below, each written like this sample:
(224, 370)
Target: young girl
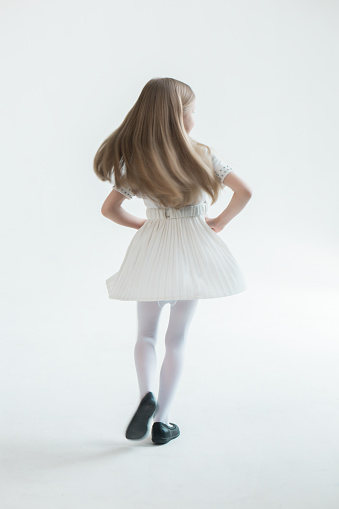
(176, 255)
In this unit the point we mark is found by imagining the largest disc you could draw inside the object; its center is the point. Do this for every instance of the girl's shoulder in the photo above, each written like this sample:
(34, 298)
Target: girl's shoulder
(126, 190)
(221, 168)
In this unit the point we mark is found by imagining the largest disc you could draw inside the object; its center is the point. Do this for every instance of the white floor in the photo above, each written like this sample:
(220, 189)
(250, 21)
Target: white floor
(257, 406)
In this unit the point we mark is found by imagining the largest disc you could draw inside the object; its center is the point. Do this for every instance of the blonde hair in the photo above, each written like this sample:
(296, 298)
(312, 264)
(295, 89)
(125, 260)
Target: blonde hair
(152, 153)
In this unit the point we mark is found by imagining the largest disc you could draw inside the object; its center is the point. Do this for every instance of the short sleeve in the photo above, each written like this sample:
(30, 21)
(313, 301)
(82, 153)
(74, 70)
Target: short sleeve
(126, 190)
(221, 169)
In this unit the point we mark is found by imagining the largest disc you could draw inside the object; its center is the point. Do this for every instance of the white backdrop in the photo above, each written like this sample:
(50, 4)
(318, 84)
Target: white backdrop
(261, 363)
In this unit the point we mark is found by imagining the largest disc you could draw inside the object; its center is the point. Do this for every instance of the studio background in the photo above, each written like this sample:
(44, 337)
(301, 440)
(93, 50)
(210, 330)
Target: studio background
(258, 400)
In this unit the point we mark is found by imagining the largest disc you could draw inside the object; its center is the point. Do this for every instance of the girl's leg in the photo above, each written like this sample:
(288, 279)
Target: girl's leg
(144, 350)
(180, 318)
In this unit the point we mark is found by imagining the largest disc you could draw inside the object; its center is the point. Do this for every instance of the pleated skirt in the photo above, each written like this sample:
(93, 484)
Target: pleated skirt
(175, 255)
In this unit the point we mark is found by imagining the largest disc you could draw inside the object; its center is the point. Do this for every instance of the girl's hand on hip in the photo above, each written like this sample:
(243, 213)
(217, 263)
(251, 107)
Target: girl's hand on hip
(142, 222)
(214, 224)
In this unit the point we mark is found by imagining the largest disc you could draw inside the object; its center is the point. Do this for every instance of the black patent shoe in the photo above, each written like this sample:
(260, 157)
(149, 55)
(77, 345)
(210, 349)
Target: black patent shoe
(138, 426)
(162, 433)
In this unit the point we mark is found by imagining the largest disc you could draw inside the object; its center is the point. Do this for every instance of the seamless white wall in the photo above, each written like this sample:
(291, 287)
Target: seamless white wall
(266, 82)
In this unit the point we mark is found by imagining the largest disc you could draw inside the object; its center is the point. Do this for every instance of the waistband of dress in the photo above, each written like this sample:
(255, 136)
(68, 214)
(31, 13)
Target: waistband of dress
(167, 213)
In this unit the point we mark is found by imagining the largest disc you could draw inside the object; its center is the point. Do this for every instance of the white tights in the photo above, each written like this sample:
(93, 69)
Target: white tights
(148, 312)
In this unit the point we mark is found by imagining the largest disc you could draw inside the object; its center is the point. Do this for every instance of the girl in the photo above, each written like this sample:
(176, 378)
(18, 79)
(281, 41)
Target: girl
(175, 256)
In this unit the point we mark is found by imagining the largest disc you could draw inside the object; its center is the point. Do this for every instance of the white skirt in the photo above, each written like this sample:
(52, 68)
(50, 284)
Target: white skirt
(175, 255)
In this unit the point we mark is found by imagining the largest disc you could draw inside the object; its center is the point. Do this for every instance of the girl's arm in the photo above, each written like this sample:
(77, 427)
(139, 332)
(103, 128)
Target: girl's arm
(112, 209)
(242, 194)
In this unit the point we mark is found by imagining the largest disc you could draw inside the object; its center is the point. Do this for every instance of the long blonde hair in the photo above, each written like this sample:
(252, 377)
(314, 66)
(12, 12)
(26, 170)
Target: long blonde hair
(152, 153)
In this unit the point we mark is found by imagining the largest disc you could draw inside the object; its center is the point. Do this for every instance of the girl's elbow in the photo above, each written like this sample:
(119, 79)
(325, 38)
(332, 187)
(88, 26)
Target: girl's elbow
(104, 211)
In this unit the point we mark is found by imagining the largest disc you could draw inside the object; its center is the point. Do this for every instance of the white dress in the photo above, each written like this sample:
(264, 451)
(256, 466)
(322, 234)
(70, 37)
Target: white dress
(175, 255)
